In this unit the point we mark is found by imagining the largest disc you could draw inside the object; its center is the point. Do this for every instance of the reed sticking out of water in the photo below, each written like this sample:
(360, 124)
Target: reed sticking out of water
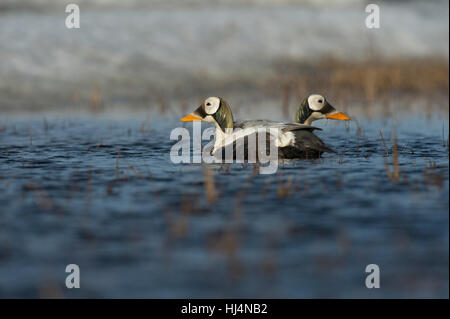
(358, 128)
(117, 162)
(178, 227)
(341, 158)
(394, 173)
(384, 143)
(99, 144)
(135, 171)
(388, 169)
(269, 263)
(395, 158)
(109, 188)
(145, 126)
(433, 176)
(284, 189)
(97, 147)
(228, 241)
(210, 188)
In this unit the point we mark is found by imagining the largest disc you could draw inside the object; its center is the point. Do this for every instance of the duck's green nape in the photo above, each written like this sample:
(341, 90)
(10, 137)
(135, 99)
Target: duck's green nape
(223, 116)
(303, 112)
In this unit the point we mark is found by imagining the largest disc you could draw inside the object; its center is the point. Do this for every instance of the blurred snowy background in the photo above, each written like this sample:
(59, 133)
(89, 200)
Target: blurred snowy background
(132, 53)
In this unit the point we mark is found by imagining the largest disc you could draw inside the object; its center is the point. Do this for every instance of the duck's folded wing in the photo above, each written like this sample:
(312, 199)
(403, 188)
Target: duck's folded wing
(253, 124)
(285, 127)
(295, 127)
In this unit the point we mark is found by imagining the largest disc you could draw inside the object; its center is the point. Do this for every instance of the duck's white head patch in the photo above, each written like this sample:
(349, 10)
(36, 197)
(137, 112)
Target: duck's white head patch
(316, 102)
(212, 105)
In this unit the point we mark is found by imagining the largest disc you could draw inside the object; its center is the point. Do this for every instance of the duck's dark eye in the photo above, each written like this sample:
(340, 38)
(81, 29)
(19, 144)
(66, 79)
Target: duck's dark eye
(320, 101)
(208, 104)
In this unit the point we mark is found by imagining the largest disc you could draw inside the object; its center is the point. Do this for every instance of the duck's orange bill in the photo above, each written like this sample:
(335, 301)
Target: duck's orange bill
(338, 116)
(190, 118)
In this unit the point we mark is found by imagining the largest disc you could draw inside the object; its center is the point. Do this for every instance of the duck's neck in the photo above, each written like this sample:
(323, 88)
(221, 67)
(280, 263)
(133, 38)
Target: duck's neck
(224, 118)
(303, 115)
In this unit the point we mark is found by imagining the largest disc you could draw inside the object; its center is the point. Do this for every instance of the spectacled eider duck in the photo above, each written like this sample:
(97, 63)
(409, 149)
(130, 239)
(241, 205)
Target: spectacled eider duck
(293, 140)
(316, 107)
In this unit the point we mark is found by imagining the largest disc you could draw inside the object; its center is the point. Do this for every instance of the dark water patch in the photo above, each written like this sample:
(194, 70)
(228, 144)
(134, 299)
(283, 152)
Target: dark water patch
(99, 193)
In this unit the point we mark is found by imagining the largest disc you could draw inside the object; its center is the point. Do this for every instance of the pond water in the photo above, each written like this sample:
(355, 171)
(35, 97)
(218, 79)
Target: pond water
(102, 193)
